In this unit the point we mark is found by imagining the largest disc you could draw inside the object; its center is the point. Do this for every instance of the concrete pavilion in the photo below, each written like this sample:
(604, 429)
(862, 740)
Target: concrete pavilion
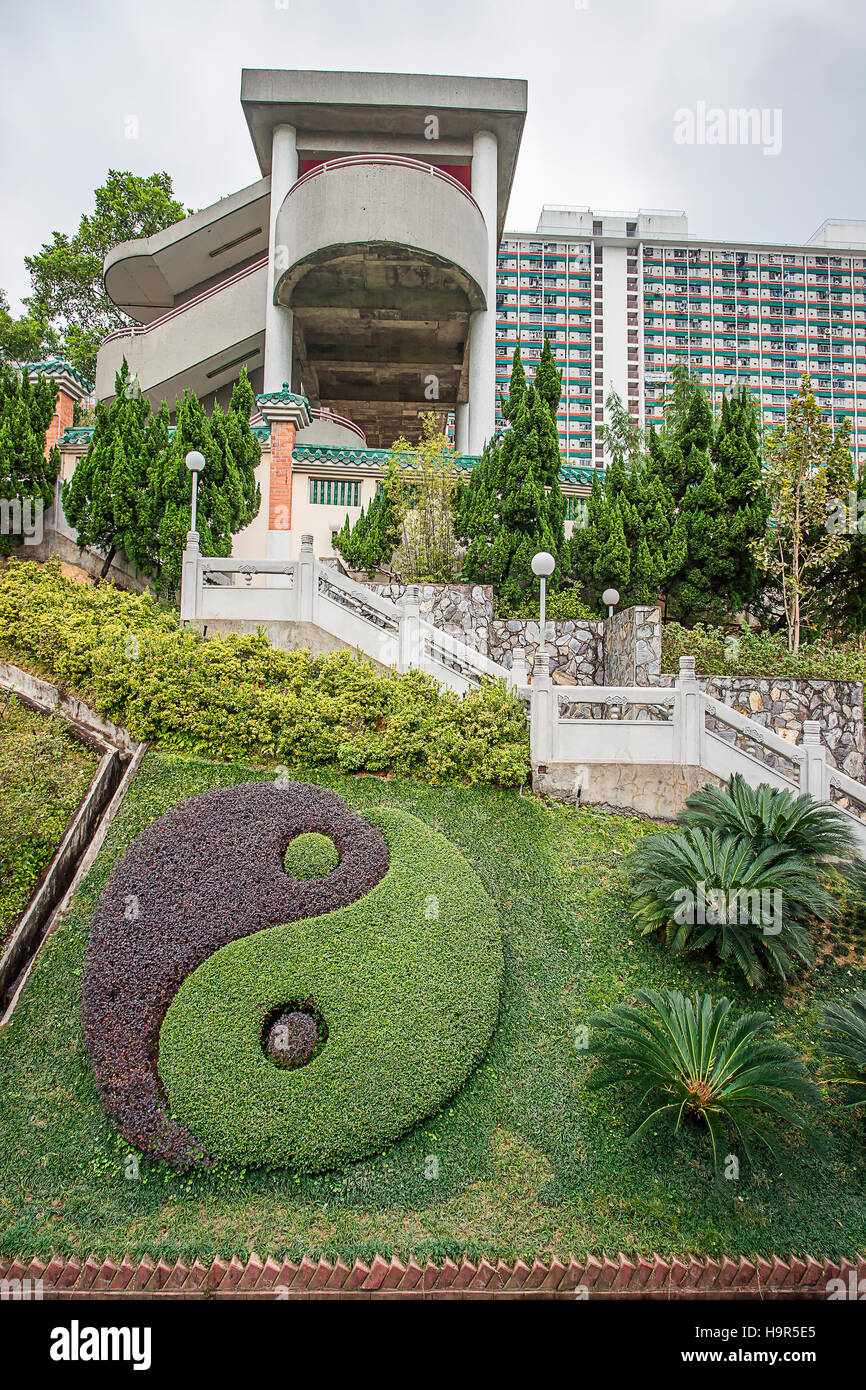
(355, 278)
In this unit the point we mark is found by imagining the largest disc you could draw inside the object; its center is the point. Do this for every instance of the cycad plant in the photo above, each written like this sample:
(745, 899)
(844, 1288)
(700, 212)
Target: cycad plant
(708, 889)
(699, 1065)
(844, 1027)
(767, 816)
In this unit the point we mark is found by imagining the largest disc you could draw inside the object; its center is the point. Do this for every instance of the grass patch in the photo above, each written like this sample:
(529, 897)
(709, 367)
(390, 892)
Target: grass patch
(44, 773)
(524, 1159)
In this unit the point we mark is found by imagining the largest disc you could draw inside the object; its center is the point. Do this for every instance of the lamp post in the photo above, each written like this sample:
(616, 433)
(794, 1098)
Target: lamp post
(543, 565)
(195, 463)
(611, 598)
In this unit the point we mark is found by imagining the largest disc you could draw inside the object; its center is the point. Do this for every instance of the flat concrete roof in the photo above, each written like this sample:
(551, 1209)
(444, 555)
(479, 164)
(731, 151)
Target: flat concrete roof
(386, 105)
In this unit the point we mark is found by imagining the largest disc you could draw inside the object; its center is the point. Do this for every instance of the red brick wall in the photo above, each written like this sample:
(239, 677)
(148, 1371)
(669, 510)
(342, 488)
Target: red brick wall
(280, 505)
(62, 420)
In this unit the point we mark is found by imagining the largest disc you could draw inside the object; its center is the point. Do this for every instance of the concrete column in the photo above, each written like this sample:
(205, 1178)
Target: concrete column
(278, 320)
(482, 342)
(461, 427)
(190, 579)
(691, 715)
(815, 769)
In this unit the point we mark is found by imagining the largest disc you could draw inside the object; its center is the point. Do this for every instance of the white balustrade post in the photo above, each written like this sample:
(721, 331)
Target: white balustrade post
(305, 582)
(190, 579)
(816, 761)
(410, 653)
(519, 673)
(689, 711)
(542, 713)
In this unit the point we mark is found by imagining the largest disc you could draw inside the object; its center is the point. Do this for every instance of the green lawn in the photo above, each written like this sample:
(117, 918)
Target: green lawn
(44, 773)
(528, 1161)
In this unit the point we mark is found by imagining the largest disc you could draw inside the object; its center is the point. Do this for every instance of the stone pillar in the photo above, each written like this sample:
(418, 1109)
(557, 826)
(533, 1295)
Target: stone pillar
(690, 717)
(279, 320)
(461, 427)
(482, 338)
(543, 709)
(305, 581)
(814, 770)
(409, 654)
(190, 578)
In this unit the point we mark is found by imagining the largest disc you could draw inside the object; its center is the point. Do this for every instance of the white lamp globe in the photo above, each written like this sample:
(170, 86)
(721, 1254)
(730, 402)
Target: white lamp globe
(610, 597)
(195, 461)
(544, 564)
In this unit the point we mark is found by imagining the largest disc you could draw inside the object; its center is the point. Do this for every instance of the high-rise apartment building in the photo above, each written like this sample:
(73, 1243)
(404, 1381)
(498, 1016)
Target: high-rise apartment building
(623, 297)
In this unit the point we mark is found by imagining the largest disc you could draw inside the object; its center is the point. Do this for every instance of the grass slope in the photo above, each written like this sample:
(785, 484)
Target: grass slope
(522, 1160)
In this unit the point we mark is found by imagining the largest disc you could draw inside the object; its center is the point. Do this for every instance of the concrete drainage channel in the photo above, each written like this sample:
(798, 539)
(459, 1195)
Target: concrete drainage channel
(120, 758)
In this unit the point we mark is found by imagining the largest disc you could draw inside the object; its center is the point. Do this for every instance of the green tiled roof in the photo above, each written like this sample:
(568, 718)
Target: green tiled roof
(53, 366)
(360, 457)
(283, 397)
(572, 474)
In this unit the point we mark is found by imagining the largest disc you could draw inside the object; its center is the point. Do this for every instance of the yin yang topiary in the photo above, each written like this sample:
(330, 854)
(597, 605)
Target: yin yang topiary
(202, 943)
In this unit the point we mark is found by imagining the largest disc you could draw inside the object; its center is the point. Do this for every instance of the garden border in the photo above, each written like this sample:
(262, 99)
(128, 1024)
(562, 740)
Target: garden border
(121, 756)
(645, 1277)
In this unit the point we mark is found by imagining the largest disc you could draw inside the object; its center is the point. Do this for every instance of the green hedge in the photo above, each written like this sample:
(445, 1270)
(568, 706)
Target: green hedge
(407, 983)
(561, 606)
(236, 696)
(718, 653)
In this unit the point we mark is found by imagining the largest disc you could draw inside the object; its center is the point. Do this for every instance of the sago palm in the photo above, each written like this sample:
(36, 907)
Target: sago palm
(706, 889)
(844, 1027)
(695, 1063)
(767, 816)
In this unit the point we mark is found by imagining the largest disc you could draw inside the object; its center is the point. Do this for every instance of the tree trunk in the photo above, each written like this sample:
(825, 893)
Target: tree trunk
(107, 563)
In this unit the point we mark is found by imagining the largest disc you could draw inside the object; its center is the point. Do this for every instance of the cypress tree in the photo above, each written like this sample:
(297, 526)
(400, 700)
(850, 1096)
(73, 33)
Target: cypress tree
(512, 505)
(106, 499)
(27, 476)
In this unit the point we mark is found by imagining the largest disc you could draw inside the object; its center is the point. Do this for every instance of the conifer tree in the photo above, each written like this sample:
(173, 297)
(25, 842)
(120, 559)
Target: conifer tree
(512, 505)
(27, 476)
(106, 499)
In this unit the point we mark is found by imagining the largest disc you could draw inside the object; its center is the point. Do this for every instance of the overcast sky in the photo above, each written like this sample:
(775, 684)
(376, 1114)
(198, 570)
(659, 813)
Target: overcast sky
(605, 79)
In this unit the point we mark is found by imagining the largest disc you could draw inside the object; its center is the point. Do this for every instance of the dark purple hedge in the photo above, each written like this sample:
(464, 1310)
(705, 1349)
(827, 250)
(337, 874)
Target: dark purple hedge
(208, 872)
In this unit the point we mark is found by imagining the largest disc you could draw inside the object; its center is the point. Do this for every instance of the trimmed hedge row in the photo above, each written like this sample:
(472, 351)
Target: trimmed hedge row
(206, 873)
(406, 981)
(718, 653)
(230, 697)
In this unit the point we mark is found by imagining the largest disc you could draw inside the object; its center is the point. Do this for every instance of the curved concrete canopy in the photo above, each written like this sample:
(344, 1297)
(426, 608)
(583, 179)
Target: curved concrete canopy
(383, 265)
(148, 275)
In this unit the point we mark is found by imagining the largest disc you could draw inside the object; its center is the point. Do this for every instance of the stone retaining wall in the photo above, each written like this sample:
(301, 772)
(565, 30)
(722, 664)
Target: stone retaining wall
(576, 647)
(784, 704)
(463, 610)
(633, 647)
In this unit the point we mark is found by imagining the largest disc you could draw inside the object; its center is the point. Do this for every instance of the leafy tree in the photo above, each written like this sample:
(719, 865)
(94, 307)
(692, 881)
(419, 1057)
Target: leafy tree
(25, 339)
(512, 505)
(67, 290)
(808, 466)
(420, 485)
(27, 475)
